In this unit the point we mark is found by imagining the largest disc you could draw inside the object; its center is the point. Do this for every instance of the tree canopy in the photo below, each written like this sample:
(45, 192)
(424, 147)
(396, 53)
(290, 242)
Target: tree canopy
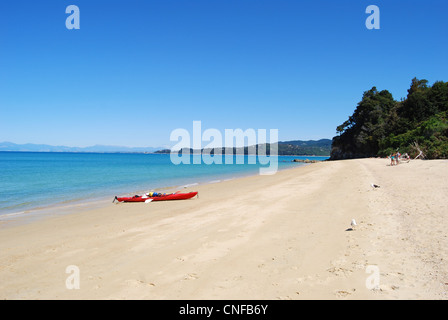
(381, 125)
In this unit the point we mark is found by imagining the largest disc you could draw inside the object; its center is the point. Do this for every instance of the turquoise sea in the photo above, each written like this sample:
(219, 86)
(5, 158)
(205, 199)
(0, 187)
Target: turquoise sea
(35, 180)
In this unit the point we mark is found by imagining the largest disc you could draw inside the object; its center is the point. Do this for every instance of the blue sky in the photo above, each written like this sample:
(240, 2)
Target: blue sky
(137, 70)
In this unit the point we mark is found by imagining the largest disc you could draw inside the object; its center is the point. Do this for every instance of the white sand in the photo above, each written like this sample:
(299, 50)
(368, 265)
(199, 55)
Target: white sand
(263, 237)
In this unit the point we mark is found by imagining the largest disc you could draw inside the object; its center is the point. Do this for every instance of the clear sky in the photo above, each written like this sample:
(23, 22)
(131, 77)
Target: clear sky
(137, 70)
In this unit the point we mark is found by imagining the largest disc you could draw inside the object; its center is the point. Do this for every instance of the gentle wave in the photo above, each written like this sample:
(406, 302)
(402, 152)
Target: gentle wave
(190, 185)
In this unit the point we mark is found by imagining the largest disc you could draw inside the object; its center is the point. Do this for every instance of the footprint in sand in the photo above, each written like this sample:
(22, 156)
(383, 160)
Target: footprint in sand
(344, 293)
(191, 276)
(138, 283)
(340, 271)
(182, 258)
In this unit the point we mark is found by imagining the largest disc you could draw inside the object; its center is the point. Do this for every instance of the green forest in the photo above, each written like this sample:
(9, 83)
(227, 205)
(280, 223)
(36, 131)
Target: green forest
(381, 125)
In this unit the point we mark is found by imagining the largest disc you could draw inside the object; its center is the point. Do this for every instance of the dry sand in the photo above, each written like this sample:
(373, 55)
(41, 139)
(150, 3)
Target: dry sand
(285, 236)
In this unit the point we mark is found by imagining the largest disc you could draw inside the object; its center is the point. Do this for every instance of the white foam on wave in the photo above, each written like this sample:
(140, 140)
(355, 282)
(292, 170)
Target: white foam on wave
(12, 215)
(190, 185)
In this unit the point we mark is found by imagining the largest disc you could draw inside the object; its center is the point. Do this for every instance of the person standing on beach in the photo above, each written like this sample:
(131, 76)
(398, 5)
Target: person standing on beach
(392, 159)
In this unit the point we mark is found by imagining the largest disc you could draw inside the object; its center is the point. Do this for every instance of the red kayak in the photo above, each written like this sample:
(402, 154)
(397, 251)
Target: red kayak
(171, 196)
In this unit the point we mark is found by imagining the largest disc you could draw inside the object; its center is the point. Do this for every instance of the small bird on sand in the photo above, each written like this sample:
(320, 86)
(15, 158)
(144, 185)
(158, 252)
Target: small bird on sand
(353, 224)
(374, 186)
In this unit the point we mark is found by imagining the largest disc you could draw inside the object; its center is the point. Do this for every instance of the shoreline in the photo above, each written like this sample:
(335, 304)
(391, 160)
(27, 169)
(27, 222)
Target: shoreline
(285, 236)
(70, 206)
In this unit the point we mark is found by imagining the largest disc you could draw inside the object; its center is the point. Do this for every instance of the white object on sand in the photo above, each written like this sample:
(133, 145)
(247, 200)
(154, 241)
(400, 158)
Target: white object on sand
(353, 223)
(374, 186)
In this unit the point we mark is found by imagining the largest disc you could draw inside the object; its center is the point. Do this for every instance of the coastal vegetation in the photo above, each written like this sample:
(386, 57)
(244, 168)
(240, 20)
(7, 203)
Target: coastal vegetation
(320, 147)
(381, 125)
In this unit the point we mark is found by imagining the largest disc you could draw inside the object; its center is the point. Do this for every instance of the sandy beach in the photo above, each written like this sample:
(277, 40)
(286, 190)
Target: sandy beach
(285, 236)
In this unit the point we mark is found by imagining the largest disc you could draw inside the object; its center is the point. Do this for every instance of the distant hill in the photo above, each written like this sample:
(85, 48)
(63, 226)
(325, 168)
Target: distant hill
(320, 147)
(30, 147)
(296, 148)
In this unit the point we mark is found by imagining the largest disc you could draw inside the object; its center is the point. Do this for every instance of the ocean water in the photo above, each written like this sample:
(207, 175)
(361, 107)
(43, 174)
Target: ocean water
(34, 180)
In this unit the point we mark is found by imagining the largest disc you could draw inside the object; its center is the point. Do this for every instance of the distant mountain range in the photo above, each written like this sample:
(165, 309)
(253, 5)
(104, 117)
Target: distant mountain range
(30, 147)
(295, 147)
